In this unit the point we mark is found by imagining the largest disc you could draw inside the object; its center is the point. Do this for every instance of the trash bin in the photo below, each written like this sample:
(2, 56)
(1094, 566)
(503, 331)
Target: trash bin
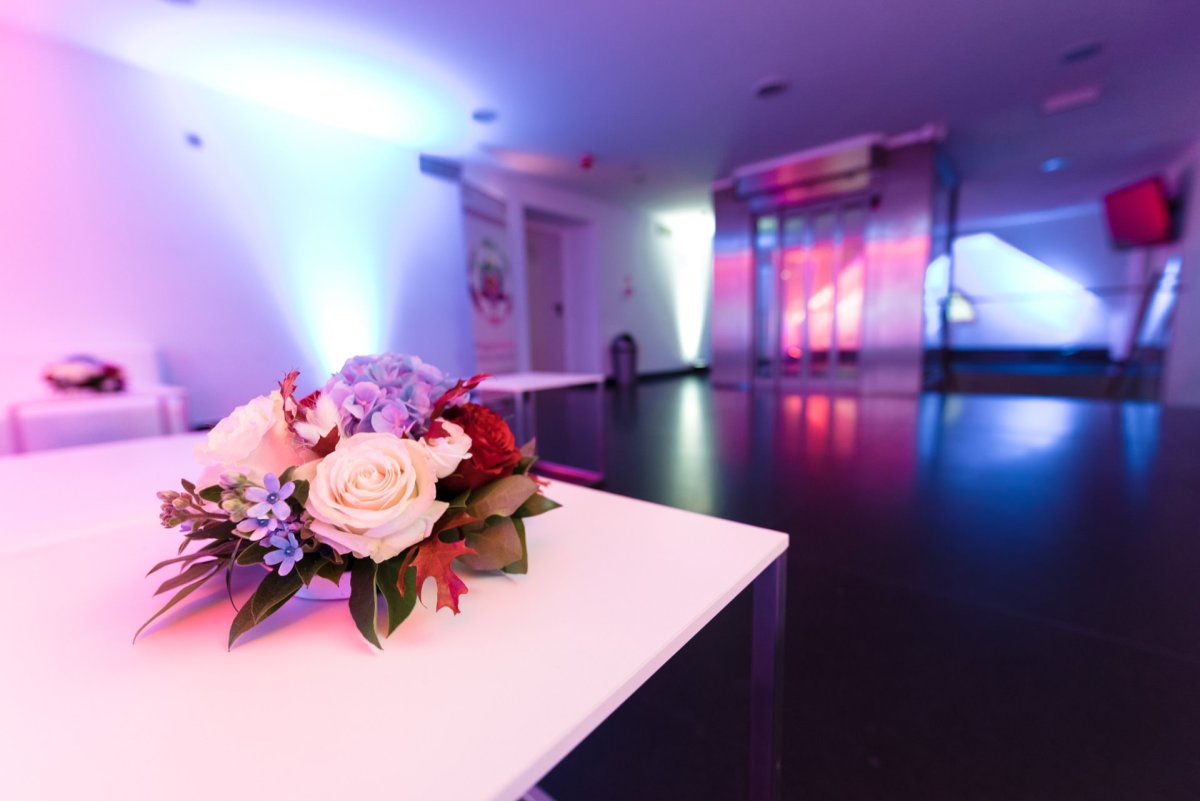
(624, 360)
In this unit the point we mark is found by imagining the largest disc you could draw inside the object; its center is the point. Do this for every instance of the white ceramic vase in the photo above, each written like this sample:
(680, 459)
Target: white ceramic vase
(325, 590)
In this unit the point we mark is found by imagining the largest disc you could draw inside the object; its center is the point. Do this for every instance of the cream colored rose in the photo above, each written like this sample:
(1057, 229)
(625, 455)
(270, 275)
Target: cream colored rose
(446, 452)
(254, 439)
(374, 496)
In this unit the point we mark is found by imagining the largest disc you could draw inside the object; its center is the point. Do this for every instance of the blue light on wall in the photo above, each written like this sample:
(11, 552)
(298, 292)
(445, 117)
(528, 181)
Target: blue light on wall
(312, 139)
(318, 69)
(1018, 300)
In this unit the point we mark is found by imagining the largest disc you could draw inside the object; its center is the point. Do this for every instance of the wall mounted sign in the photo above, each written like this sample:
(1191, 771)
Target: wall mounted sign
(490, 282)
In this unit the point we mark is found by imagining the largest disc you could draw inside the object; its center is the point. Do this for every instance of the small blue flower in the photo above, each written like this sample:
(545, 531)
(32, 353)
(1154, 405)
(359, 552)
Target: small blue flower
(257, 527)
(270, 498)
(287, 555)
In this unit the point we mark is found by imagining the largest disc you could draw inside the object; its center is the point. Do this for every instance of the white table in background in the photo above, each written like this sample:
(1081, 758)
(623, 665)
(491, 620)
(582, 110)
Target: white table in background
(522, 386)
(474, 707)
(85, 418)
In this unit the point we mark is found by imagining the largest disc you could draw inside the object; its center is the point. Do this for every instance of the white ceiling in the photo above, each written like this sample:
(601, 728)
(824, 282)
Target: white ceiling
(660, 90)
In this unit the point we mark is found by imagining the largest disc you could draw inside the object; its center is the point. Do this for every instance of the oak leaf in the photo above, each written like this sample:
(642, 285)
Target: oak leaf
(434, 560)
(460, 390)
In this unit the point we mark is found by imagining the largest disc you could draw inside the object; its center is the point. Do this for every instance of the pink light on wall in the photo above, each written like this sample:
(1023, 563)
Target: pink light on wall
(794, 315)
(820, 301)
(849, 306)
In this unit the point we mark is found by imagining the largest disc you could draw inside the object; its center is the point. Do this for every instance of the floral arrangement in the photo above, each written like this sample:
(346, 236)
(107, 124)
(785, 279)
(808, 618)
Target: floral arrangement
(82, 372)
(383, 479)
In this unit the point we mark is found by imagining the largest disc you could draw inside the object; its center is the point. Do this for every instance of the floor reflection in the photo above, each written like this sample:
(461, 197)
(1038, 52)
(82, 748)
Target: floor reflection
(971, 577)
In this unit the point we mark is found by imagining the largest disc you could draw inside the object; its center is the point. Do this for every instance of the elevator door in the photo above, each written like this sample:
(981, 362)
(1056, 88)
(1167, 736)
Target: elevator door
(809, 294)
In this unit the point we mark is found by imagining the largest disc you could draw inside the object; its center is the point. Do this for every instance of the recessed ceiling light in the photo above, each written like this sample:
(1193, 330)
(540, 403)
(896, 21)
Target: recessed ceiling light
(770, 87)
(1081, 52)
(1054, 164)
(485, 115)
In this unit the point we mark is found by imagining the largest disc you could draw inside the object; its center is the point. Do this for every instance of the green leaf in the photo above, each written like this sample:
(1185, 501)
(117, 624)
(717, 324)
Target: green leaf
(222, 530)
(538, 504)
(212, 549)
(502, 497)
(521, 566)
(332, 570)
(243, 621)
(529, 449)
(229, 574)
(270, 595)
(399, 606)
(453, 518)
(308, 567)
(460, 501)
(211, 494)
(252, 554)
(179, 596)
(364, 601)
(300, 495)
(496, 546)
(188, 575)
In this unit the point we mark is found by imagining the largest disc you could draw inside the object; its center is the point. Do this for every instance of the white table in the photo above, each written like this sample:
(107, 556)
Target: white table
(475, 707)
(522, 386)
(75, 493)
(84, 418)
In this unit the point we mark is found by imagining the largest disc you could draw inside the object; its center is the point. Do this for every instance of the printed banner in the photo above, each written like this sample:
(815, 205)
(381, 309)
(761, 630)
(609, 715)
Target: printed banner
(489, 281)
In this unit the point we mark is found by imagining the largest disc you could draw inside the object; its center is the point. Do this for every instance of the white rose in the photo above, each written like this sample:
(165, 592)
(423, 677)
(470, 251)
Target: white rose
(319, 420)
(254, 439)
(446, 452)
(374, 496)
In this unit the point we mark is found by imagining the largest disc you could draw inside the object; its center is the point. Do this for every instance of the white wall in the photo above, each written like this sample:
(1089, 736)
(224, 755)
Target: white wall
(1073, 242)
(614, 244)
(1181, 386)
(280, 243)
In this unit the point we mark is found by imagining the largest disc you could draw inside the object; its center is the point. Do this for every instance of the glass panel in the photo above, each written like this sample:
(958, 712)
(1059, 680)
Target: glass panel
(850, 290)
(766, 245)
(791, 288)
(823, 262)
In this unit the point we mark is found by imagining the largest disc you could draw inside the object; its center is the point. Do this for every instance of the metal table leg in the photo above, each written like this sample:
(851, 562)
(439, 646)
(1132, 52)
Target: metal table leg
(601, 464)
(766, 682)
(520, 430)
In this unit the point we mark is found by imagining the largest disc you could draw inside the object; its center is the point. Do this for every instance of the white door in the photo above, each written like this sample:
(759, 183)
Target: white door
(544, 277)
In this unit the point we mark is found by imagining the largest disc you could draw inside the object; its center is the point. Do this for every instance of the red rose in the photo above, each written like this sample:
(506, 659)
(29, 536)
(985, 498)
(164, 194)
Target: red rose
(494, 452)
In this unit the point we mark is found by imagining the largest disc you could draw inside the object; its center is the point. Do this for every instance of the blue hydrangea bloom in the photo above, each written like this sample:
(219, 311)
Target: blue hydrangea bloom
(287, 553)
(391, 393)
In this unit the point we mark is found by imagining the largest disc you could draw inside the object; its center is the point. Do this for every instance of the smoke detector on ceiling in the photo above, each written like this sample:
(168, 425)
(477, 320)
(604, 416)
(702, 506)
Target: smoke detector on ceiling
(1073, 99)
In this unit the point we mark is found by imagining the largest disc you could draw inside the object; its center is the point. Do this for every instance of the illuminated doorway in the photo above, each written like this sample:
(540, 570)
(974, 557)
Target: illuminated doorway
(809, 281)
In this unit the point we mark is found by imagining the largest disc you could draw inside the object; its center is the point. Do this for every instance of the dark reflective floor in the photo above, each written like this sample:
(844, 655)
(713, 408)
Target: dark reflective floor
(989, 597)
